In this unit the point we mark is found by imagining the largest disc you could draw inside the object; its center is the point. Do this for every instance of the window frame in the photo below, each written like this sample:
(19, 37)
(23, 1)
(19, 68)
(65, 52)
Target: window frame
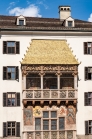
(86, 48)
(87, 73)
(5, 73)
(70, 25)
(5, 129)
(16, 47)
(50, 119)
(17, 99)
(21, 21)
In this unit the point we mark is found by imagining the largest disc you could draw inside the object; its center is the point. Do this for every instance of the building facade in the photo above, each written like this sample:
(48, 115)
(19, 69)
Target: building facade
(45, 76)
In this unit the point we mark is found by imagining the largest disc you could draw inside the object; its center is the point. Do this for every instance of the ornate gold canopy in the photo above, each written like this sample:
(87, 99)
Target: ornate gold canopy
(49, 52)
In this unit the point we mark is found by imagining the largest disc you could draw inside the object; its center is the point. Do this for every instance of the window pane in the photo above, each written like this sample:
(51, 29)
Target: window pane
(9, 102)
(21, 22)
(9, 95)
(9, 131)
(53, 114)
(69, 23)
(37, 124)
(12, 75)
(10, 44)
(90, 122)
(61, 123)
(13, 95)
(9, 124)
(45, 124)
(13, 131)
(45, 114)
(13, 69)
(13, 102)
(9, 50)
(90, 130)
(13, 124)
(13, 50)
(53, 124)
(8, 69)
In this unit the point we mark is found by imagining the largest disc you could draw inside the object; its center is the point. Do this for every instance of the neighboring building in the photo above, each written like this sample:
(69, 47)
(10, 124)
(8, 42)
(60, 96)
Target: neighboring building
(45, 92)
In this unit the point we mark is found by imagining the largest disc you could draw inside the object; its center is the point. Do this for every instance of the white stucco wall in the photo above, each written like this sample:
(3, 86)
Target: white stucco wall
(15, 113)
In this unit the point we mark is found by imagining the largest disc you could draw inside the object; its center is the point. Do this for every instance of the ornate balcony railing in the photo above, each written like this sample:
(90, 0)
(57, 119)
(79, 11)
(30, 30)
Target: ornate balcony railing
(53, 94)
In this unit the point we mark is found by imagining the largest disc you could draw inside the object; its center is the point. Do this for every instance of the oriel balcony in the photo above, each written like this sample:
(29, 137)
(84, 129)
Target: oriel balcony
(50, 87)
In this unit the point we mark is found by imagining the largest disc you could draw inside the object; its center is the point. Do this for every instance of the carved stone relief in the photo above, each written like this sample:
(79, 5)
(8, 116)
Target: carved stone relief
(69, 134)
(53, 135)
(62, 135)
(28, 116)
(46, 94)
(54, 94)
(29, 94)
(71, 94)
(62, 94)
(45, 135)
(37, 94)
(37, 135)
(30, 135)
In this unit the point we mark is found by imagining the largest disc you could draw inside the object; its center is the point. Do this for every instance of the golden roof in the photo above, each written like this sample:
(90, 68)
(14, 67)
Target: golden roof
(49, 52)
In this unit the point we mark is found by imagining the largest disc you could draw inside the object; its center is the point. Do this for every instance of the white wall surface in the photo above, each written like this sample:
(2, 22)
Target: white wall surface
(15, 113)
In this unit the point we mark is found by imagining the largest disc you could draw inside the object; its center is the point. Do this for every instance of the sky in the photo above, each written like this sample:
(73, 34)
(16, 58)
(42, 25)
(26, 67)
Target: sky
(80, 9)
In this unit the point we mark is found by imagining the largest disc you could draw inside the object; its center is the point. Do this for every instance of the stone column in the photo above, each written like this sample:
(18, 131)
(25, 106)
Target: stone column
(41, 74)
(24, 73)
(41, 81)
(75, 79)
(58, 80)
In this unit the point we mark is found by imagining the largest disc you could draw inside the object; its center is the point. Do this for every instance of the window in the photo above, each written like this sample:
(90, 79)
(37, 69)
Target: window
(50, 121)
(10, 47)
(11, 129)
(88, 48)
(88, 73)
(50, 81)
(88, 98)
(11, 99)
(70, 23)
(88, 127)
(10, 73)
(21, 22)
(33, 81)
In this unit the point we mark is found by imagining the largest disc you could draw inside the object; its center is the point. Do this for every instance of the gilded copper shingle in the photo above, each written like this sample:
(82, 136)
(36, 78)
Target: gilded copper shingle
(49, 52)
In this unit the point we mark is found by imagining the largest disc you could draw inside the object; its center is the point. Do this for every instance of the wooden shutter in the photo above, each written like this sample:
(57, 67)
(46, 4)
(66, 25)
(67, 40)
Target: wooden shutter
(4, 73)
(4, 47)
(86, 73)
(86, 99)
(85, 47)
(86, 128)
(17, 73)
(18, 99)
(4, 129)
(17, 47)
(4, 99)
(18, 129)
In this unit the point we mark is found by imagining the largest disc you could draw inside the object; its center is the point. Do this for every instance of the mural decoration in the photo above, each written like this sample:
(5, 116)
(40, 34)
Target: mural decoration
(37, 111)
(71, 115)
(28, 116)
(62, 110)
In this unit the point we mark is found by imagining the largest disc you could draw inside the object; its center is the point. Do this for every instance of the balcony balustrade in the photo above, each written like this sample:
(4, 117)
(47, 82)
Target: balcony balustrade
(47, 94)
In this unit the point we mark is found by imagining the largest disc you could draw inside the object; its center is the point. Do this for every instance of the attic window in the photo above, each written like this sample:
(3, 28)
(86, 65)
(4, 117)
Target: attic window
(70, 23)
(21, 22)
